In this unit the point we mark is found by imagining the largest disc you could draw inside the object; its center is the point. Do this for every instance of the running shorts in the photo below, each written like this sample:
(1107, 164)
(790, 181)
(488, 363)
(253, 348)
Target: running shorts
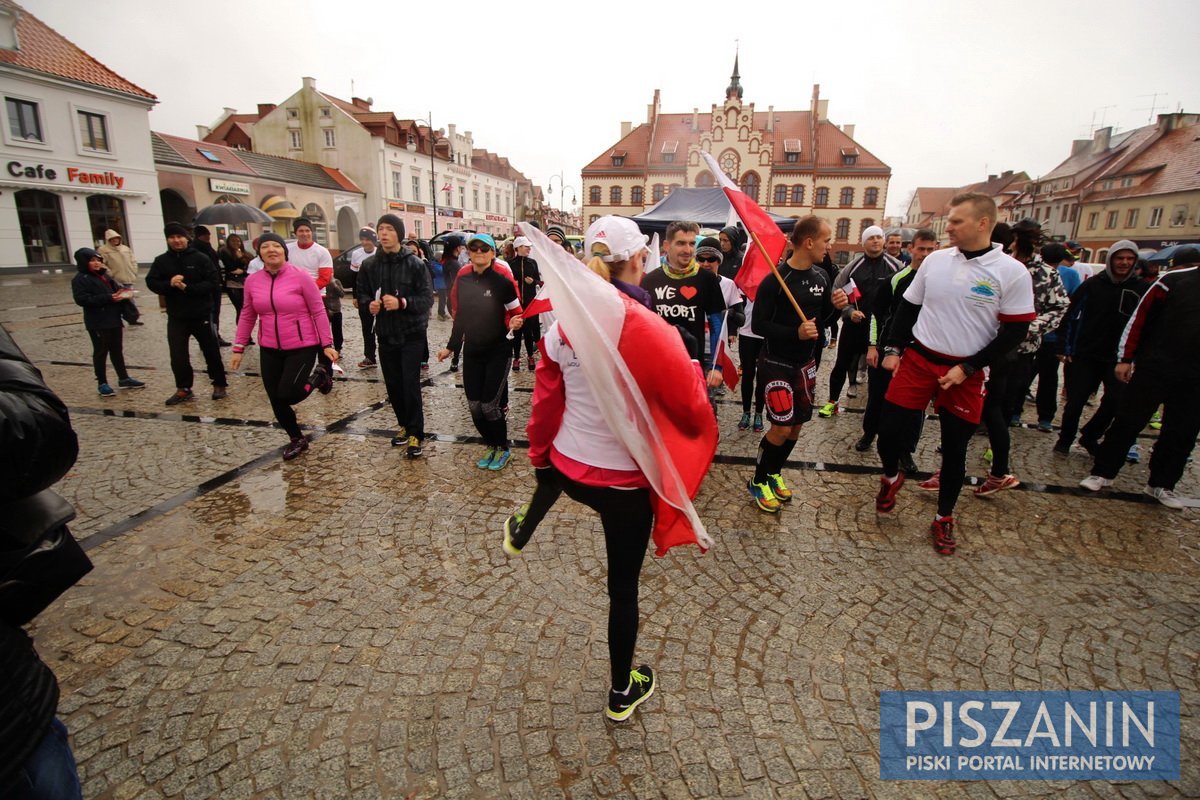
(787, 389)
(915, 383)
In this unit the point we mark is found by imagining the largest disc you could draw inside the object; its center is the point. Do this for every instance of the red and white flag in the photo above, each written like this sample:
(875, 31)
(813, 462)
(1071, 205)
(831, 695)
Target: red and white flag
(853, 293)
(540, 304)
(631, 359)
(754, 267)
(729, 370)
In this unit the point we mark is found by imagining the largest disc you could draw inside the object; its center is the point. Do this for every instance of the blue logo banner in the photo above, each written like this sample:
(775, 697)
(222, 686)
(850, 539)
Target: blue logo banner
(1029, 736)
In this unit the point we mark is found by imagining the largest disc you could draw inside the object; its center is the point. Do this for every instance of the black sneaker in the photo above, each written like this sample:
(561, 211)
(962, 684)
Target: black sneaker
(321, 380)
(180, 396)
(641, 686)
(415, 447)
(907, 464)
(515, 539)
(864, 444)
(1061, 449)
(295, 447)
(400, 439)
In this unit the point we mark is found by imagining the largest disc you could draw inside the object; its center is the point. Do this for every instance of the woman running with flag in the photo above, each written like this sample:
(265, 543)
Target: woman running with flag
(620, 423)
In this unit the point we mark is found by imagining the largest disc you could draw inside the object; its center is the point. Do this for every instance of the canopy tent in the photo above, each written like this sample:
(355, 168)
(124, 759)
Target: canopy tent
(709, 207)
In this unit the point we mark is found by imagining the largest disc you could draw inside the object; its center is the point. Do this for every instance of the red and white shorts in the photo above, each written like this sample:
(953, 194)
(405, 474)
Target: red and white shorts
(916, 383)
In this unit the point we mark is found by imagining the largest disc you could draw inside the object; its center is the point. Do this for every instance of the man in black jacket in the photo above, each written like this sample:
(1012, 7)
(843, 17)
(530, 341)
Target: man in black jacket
(1156, 357)
(39, 447)
(203, 243)
(187, 279)
(394, 286)
(1087, 345)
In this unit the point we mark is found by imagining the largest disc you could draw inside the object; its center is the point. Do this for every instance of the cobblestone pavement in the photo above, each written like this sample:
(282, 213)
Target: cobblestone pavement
(346, 624)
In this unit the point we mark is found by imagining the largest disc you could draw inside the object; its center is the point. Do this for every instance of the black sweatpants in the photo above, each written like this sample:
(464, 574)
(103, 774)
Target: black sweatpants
(178, 332)
(367, 320)
(485, 381)
(627, 517)
(107, 344)
(851, 346)
(1178, 391)
(335, 327)
(1082, 377)
(285, 377)
(530, 332)
(401, 367)
(878, 381)
(749, 348)
(898, 428)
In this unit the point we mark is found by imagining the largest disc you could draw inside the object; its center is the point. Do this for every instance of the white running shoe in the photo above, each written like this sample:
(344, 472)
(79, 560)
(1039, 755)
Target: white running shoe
(1094, 483)
(1165, 496)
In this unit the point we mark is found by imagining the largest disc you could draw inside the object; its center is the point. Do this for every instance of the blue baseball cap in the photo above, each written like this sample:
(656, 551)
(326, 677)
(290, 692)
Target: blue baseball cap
(482, 237)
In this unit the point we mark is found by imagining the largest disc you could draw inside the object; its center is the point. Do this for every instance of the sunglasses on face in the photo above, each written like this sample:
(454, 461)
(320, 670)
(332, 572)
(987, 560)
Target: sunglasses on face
(707, 259)
(479, 248)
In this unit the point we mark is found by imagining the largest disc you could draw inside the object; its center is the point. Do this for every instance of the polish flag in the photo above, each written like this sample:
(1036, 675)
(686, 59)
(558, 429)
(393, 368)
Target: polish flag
(540, 304)
(650, 394)
(754, 267)
(729, 370)
(853, 293)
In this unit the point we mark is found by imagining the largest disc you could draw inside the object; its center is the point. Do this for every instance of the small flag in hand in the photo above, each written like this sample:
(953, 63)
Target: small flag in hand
(853, 293)
(729, 370)
(539, 304)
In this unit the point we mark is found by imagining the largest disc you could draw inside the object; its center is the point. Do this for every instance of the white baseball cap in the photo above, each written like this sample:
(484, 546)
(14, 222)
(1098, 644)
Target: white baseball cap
(619, 234)
(522, 241)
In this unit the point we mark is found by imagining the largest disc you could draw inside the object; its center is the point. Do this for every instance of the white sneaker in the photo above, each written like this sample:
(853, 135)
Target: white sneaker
(1094, 483)
(1165, 496)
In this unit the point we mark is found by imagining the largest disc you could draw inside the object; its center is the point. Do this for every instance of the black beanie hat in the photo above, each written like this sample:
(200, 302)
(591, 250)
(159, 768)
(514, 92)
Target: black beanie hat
(174, 229)
(301, 222)
(273, 237)
(200, 230)
(396, 223)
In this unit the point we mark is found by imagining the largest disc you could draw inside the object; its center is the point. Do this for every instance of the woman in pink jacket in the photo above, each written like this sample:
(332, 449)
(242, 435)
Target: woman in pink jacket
(293, 328)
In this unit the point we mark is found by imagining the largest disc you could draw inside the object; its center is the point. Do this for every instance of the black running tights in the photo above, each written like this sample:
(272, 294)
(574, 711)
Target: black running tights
(896, 425)
(285, 377)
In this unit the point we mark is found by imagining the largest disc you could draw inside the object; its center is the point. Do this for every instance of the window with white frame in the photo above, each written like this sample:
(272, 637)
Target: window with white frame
(397, 184)
(330, 138)
(294, 140)
(416, 189)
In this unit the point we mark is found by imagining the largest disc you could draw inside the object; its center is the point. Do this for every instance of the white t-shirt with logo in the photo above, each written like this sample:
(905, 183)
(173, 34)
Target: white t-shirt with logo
(359, 256)
(964, 301)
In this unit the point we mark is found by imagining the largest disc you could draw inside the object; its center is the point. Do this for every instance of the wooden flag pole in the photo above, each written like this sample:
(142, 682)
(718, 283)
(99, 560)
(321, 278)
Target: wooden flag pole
(766, 257)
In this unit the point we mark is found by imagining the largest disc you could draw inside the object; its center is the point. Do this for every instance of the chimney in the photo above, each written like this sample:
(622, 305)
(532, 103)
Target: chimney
(992, 178)
(359, 102)
(265, 108)
(652, 109)
(452, 128)
(1102, 139)
(847, 129)
(626, 129)
(695, 119)
(202, 131)
(309, 83)
(1008, 173)
(1080, 145)
(770, 119)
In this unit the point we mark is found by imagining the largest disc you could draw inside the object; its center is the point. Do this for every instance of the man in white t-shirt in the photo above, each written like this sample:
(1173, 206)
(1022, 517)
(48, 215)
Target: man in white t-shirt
(314, 259)
(975, 304)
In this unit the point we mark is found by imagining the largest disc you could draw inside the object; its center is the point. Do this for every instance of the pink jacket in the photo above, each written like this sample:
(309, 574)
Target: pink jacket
(289, 307)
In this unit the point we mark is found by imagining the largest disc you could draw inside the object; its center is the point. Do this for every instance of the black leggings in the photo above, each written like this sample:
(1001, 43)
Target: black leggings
(626, 516)
(485, 381)
(106, 344)
(896, 437)
(285, 377)
(748, 349)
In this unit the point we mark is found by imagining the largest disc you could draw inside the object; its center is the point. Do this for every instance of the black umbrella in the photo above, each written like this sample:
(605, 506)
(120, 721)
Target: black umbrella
(1165, 256)
(232, 214)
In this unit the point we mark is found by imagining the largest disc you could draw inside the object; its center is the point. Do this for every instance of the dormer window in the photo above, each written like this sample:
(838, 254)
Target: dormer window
(791, 151)
(849, 155)
(618, 158)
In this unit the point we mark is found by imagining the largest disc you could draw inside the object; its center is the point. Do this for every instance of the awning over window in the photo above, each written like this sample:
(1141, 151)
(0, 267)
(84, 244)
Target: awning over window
(279, 208)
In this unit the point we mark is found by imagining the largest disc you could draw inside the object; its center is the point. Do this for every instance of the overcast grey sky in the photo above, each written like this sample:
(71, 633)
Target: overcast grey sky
(943, 91)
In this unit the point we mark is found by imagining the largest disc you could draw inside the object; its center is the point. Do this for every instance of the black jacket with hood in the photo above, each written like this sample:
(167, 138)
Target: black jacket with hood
(732, 260)
(1099, 311)
(200, 280)
(94, 293)
(39, 447)
(400, 274)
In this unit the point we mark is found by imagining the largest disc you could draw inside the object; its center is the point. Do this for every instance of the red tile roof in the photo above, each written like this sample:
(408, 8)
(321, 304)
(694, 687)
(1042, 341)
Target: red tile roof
(341, 179)
(641, 153)
(1170, 164)
(46, 51)
(933, 199)
(220, 134)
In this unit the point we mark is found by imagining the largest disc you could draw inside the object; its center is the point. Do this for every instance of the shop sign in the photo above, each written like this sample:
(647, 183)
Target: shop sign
(228, 187)
(74, 174)
(495, 218)
(414, 208)
(396, 206)
(450, 212)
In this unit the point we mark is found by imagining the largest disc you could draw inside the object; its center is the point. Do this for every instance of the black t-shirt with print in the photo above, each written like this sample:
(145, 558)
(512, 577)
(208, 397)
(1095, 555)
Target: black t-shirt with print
(686, 302)
(775, 318)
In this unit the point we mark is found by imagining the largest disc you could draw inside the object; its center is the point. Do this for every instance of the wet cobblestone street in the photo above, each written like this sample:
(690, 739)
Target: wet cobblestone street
(347, 625)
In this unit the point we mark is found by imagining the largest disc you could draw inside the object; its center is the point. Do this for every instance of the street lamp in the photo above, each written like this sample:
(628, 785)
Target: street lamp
(432, 169)
(562, 192)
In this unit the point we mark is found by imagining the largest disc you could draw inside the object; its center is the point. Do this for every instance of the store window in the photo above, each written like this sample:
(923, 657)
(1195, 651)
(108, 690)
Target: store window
(106, 212)
(39, 215)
